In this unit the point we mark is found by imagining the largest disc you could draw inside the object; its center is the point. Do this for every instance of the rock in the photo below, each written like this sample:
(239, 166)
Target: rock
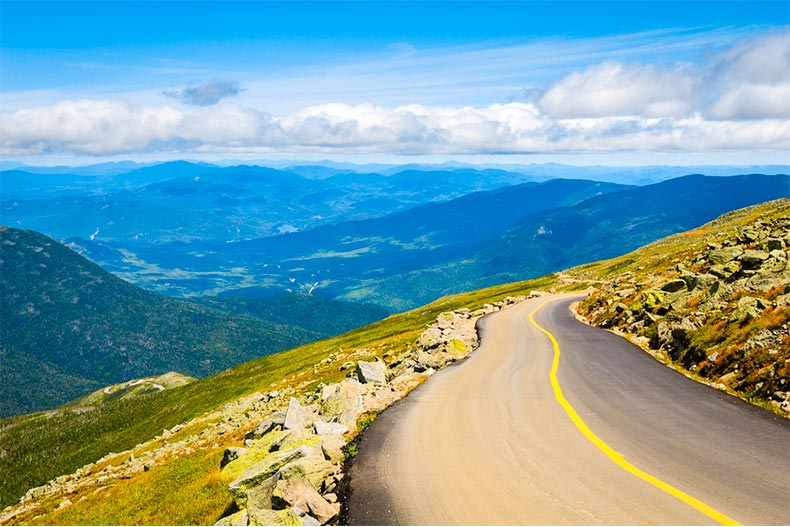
(331, 497)
(652, 299)
(259, 472)
(674, 286)
(431, 338)
(435, 361)
(63, 504)
(298, 417)
(746, 309)
(456, 349)
(445, 320)
(324, 428)
(309, 521)
(728, 378)
(694, 281)
(346, 366)
(314, 467)
(332, 447)
(299, 492)
(344, 404)
(620, 307)
(772, 244)
(264, 428)
(722, 256)
(752, 259)
(230, 454)
(272, 517)
(238, 518)
(375, 372)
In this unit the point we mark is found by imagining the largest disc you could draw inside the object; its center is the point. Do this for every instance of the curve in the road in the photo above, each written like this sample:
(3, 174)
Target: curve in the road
(485, 442)
(609, 451)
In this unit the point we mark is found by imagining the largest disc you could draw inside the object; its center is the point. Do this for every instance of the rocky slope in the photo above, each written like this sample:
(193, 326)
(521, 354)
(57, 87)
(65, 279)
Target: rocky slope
(715, 301)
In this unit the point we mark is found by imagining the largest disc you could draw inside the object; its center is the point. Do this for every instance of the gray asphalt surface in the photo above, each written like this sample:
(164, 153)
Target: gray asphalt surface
(486, 442)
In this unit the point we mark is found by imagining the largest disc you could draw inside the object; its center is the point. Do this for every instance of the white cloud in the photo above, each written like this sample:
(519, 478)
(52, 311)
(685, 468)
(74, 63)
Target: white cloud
(619, 89)
(110, 127)
(748, 80)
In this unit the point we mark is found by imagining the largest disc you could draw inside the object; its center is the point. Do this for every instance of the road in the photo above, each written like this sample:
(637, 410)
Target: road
(486, 441)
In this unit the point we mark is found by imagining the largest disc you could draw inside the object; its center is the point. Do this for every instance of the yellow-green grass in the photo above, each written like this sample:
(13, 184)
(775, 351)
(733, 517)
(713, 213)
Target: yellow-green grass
(184, 491)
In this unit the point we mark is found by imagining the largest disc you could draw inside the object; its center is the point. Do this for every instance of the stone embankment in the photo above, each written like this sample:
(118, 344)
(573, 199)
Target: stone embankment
(294, 441)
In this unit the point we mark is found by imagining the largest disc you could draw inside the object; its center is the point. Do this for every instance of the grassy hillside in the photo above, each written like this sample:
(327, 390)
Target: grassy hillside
(713, 301)
(321, 315)
(68, 327)
(59, 442)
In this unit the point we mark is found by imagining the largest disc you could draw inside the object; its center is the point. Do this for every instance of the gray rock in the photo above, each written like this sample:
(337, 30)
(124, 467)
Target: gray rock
(238, 518)
(752, 259)
(431, 338)
(674, 286)
(263, 429)
(314, 467)
(344, 403)
(445, 320)
(332, 448)
(722, 256)
(300, 493)
(324, 428)
(272, 517)
(263, 470)
(298, 417)
(375, 372)
(230, 454)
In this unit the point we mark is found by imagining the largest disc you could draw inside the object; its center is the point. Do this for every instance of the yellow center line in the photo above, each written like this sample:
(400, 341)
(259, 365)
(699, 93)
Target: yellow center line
(606, 449)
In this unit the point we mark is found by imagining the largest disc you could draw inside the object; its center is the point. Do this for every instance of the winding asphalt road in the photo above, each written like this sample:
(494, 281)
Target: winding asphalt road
(487, 441)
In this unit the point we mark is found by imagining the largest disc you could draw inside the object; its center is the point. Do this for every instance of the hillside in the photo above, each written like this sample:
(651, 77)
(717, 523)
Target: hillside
(601, 227)
(714, 302)
(68, 328)
(204, 417)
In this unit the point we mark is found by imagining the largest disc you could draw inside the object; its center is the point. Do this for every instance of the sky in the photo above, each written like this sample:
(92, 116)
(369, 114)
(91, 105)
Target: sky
(634, 82)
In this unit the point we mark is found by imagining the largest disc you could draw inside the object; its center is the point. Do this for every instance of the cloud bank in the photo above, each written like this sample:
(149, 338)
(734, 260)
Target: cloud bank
(737, 99)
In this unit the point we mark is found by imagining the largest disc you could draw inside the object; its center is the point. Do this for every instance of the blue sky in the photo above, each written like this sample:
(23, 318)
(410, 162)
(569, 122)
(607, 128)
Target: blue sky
(560, 81)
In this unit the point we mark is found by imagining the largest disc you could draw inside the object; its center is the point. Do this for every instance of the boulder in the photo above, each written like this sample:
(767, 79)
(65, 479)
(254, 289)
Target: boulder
(652, 299)
(324, 428)
(314, 468)
(272, 517)
(445, 320)
(238, 518)
(752, 259)
(298, 417)
(299, 492)
(674, 286)
(722, 256)
(456, 349)
(332, 448)
(344, 403)
(772, 244)
(264, 428)
(256, 474)
(375, 372)
(231, 454)
(431, 338)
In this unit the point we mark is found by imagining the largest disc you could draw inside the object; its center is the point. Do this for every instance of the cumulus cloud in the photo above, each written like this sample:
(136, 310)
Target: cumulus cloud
(619, 89)
(749, 80)
(108, 127)
(206, 94)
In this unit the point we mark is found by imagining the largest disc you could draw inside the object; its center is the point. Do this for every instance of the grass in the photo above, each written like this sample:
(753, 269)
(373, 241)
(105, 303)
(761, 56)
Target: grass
(55, 443)
(156, 497)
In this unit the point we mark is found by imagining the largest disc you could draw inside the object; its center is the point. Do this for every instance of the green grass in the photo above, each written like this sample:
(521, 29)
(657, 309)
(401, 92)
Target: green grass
(55, 443)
